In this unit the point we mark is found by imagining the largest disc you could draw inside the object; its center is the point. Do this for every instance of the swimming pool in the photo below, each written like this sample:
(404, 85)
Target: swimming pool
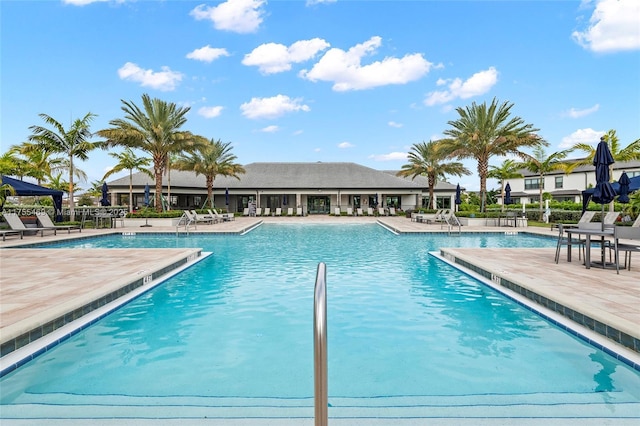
(409, 336)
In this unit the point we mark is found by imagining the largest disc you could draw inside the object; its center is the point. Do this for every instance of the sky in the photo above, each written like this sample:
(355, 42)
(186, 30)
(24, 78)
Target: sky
(323, 80)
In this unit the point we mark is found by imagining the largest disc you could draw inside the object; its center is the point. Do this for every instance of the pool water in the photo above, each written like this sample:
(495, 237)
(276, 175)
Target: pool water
(403, 327)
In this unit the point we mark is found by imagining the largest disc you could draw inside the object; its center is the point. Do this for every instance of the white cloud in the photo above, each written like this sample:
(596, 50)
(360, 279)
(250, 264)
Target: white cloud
(317, 150)
(392, 156)
(207, 54)
(394, 124)
(165, 80)
(346, 71)
(273, 107)
(614, 26)
(298, 132)
(272, 58)
(345, 145)
(86, 2)
(577, 113)
(239, 16)
(210, 112)
(478, 84)
(270, 129)
(312, 2)
(587, 136)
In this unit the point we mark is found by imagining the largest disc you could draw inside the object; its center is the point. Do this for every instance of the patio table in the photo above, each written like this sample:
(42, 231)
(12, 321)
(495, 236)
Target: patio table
(588, 233)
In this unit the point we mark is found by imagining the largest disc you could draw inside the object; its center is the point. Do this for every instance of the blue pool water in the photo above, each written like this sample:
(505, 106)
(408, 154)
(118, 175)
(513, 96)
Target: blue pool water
(401, 324)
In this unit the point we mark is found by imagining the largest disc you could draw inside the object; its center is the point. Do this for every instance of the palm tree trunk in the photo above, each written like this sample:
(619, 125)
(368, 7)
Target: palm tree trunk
(157, 171)
(210, 190)
(130, 190)
(72, 213)
(540, 184)
(483, 170)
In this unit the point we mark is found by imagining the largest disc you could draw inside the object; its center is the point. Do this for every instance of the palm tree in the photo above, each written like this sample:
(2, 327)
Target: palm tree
(427, 159)
(5, 191)
(127, 160)
(629, 153)
(542, 164)
(72, 143)
(509, 169)
(13, 165)
(211, 159)
(39, 160)
(153, 129)
(482, 132)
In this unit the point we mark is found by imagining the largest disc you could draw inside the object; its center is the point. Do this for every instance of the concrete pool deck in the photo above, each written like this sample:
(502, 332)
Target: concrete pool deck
(37, 285)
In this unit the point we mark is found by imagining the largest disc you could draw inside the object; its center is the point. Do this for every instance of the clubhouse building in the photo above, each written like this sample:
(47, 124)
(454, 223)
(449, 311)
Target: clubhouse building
(316, 187)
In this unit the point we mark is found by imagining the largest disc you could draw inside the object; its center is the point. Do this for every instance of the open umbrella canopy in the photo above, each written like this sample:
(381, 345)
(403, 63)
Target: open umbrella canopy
(604, 192)
(507, 194)
(623, 193)
(146, 195)
(104, 201)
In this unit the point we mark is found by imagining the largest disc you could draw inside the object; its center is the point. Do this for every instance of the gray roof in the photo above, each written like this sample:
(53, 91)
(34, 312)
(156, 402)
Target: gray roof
(423, 182)
(287, 176)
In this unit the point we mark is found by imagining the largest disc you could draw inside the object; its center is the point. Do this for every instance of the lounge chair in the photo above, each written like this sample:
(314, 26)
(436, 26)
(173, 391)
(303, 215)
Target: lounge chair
(245, 212)
(392, 211)
(349, 211)
(336, 211)
(585, 218)
(218, 217)
(6, 232)
(16, 225)
(359, 212)
(267, 211)
(258, 211)
(46, 222)
(370, 211)
(427, 218)
(610, 218)
(278, 211)
(199, 218)
(382, 211)
(290, 211)
(299, 211)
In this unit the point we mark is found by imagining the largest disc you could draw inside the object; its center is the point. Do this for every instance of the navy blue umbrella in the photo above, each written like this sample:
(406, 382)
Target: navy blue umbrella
(458, 199)
(604, 192)
(104, 201)
(284, 200)
(623, 192)
(507, 194)
(226, 197)
(146, 195)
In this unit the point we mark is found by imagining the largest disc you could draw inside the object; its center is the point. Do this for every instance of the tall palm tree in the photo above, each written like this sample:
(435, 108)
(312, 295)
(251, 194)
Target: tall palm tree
(211, 160)
(11, 164)
(509, 169)
(427, 159)
(127, 160)
(542, 164)
(72, 143)
(484, 131)
(39, 160)
(5, 191)
(629, 153)
(153, 129)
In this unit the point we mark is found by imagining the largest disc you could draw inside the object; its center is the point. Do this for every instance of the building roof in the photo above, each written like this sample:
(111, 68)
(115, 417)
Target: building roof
(292, 176)
(620, 165)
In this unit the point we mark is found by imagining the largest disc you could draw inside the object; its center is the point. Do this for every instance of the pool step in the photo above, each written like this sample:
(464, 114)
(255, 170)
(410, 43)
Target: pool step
(539, 405)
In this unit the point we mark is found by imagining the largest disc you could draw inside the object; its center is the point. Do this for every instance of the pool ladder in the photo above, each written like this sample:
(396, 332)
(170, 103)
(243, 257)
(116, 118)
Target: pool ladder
(321, 390)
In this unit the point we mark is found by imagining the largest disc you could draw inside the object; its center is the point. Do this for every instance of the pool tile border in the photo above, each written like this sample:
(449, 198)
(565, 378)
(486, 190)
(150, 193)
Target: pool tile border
(31, 336)
(594, 325)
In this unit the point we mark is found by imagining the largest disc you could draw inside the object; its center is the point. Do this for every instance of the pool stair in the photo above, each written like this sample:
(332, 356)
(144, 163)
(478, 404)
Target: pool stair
(263, 410)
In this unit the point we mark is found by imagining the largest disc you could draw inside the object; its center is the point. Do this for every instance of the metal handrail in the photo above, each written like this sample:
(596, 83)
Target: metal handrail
(321, 389)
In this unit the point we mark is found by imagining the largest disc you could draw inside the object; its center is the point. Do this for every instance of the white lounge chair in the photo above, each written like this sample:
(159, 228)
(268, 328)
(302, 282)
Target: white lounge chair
(359, 212)
(245, 212)
(392, 211)
(278, 211)
(267, 211)
(46, 222)
(299, 211)
(349, 211)
(14, 222)
(370, 211)
(336, 211)
(290, 211)
(200, 218)
(381, 211)
(258, 211)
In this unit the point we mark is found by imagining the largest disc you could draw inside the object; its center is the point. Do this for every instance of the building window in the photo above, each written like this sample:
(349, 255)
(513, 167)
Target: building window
(633, 174)
(533, 183)
(559, 182)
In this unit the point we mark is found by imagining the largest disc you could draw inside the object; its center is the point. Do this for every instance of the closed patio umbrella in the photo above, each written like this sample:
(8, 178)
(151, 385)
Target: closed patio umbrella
(623, 192)
(104, 201)
(458, 199)
(146, 195)
(226, 197)
(604, 192)
(507, 194)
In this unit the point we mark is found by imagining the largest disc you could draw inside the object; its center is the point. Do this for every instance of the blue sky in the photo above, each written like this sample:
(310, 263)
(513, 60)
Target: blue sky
(354, 81)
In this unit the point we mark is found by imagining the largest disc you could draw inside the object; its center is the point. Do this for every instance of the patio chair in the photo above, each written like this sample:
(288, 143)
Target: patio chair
(290, 211)
(199, 218)
(381, 211)
(563, 240)
(392, 211)
(46, 222)
(278, 211)
(217, 217)
(6, 232)
(258, 211)
(359, 212)
(585, 218)
(336, 211)
(349, 211)
(245, 212)
(626, 233)
(14, 222)
(299, 211)
(267, 211)
(369, 211)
